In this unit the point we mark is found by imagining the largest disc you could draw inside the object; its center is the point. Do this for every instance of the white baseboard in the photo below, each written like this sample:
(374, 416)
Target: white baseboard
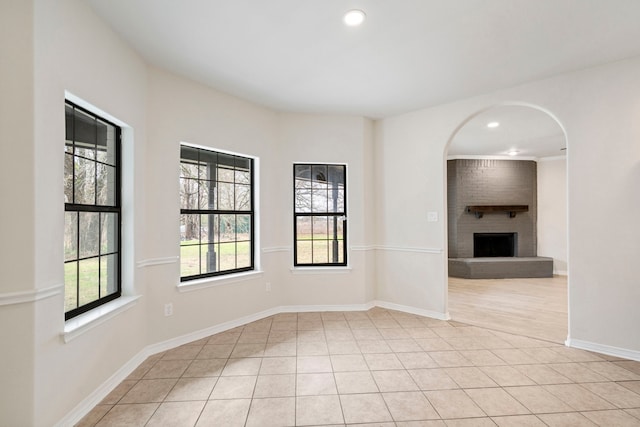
(121, 374)
(604, 349)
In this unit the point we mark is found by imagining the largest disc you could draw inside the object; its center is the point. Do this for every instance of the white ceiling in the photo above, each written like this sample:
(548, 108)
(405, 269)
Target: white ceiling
(297, 55)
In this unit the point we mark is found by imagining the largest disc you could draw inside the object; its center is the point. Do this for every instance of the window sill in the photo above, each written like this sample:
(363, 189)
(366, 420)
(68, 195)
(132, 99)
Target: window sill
(320, 270)
(194, 285)
(77, 326)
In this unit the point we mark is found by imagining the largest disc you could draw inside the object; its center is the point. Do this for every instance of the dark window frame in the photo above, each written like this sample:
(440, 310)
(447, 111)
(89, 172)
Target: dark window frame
(96, 208)
(211, 212)
(337, 216)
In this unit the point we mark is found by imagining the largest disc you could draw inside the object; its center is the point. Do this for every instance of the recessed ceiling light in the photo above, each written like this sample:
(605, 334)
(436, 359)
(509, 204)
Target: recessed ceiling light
(512, 152)
(354, 17)
(492, 125)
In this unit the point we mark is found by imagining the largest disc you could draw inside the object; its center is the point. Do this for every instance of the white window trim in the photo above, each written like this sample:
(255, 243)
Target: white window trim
(84, 322)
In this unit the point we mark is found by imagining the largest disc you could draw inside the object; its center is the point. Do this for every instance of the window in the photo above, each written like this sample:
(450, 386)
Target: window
(92, 211)
(320, 222)
(216, 213)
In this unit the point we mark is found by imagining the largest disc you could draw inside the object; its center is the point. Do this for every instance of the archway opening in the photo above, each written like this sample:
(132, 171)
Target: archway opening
(507, 222)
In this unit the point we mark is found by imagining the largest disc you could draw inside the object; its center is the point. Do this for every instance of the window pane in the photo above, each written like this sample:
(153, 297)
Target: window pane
(70, 285)
(243, 177)
(84, 134)
(304, 252)
(70, 236)
(68, 178)
(319, 174)
(303, 228)
(243, 254)
(243, 197)
(227, 256)
(106, 144)
(243, 227)
(319, 198)
(208, 163)
(106, 180)
(320, 227)
(227, 228)
(88, 279)
(109, 233)
(88, 234)
(303, 175)
(336, 200)
(208, 228)
(303, 199)
(85, 181)
(189, 260)
(226, 196)
(189, 228)
(225, 175)
(336, 176)
(208, 258)
(108, 275)
(207, 195)
(242, 163)
(320, 251)
(188, 170)
(188, 193)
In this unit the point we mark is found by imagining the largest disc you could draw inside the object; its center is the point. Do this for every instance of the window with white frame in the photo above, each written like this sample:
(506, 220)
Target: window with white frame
(216, 213)
(320, 221)
(92, 250)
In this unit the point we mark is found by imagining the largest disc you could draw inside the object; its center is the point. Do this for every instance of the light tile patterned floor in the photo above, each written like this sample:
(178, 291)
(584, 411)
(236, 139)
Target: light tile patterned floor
(378, 368)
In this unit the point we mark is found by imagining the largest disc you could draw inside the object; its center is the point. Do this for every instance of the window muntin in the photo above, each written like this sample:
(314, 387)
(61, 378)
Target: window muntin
(92, 251)
(216, 213)
(320, 223)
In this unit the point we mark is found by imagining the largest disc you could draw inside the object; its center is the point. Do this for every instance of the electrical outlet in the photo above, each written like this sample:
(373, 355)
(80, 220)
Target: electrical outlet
(168, 309)
(267, 287)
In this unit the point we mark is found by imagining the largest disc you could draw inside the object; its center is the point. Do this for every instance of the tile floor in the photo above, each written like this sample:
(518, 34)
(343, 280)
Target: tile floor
(377, 368)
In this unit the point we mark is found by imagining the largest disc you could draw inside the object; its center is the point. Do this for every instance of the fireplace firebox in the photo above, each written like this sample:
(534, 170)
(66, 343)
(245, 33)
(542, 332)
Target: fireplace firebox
(494, 245)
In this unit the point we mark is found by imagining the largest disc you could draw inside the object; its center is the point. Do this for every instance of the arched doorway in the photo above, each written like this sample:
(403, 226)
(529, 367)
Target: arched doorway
(506, 215)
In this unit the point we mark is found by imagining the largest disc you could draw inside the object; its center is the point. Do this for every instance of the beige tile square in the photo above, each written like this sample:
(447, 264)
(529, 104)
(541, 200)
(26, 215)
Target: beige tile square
(518, 421)
(333, 315)
(272, 412)
(611, 371)
(314, 410)
(280, 349)
(215, 351)
(482, 358)
(311, 336)
(95, 415)
(404, 345)
(409, 406)
(394, 334)
(433, 379)
(343, 347)
(383, 361)
(496, 402)
(578, 397)
(234, 387)
(336, 324)
(143, 368)
(576, 355)
(514, 356)
(310, 325)
(364, 408)
(228, 413)
(284, 326)
(471, 422)
(449, 359)
(629, 365)
(278, 365)
(314, 364)
(253, 337)
(453, 404)
(275, 386)
(185, 352)
(430, 423)
(547, 355)
(493, 343)
(192, 389)
(465, 343)
(361, 324)
(282, 336)
(315, 384)
(205, 368)
(339, 335)
(248, 350)
(631, 385)
(506, 376)
(567, 419)
(355, 382)
(117, 393)
(224, 338)
(310, 316)
(385, 323)
(167, 369)
(416, 360)
(470, 377)
(614, 393)
(633, 412)
(244, 366)
(366, 334)
(421, 332)
(542, 374)
(348, 362)
(577, 373)
(537, 399)
(433, 344)
(128, 415)
(312, 348)
(374, 346)
(394, 381)
(616, 418)
(176, 414)
(148, 391)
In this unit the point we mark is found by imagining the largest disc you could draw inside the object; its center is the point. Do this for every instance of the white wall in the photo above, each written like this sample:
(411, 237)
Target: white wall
(552, 211)
(599, 109)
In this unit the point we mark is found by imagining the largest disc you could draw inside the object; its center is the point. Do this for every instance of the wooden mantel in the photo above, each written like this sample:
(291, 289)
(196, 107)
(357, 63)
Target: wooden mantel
(480, 210)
